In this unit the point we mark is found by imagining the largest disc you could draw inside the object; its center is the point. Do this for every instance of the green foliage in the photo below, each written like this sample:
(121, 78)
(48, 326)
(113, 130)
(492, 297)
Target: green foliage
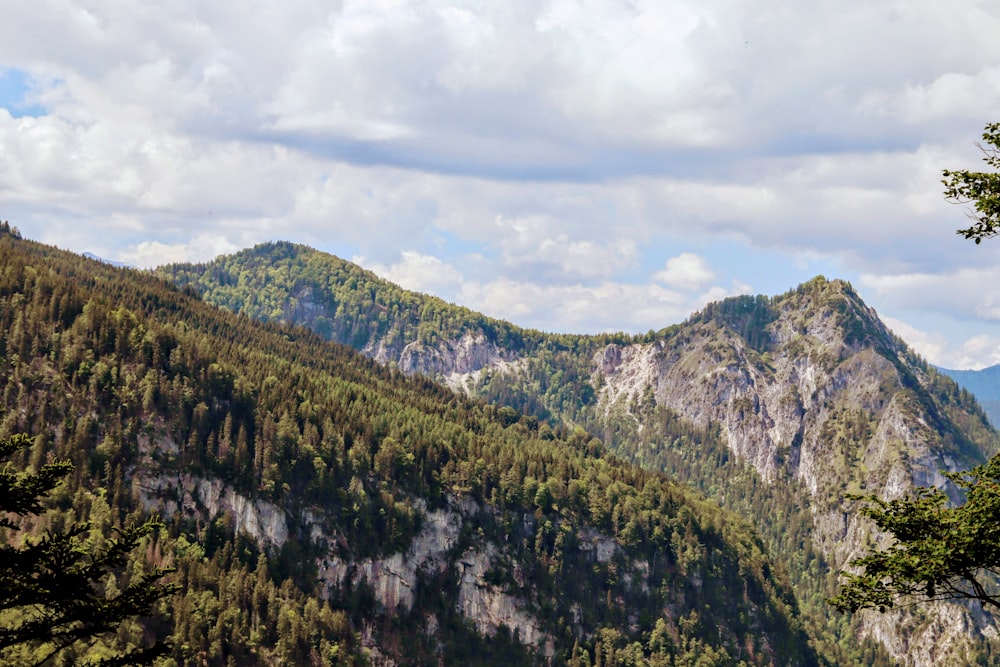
(341, 302)
(285, 282)
(554, 380)
(54, 596)
(939, 552)
(22, 493)
(981, 189)
(747, 316)
(131, 379)
(7, 229)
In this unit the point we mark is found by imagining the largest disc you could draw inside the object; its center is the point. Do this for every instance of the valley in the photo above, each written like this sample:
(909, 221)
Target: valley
(321, 508)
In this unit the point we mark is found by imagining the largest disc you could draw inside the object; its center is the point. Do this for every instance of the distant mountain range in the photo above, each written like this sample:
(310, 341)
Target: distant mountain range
(775, 407)
(121, 265)
(984, 385)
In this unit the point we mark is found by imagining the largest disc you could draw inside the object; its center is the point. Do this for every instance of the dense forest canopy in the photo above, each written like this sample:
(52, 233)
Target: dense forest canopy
(563, 379)
(131, 379)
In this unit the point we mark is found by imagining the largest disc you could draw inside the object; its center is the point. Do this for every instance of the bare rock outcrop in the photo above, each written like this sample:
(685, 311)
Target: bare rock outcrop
(194, 496)
(467, 354)
(489, 608)
(393, 578)
(796, 411)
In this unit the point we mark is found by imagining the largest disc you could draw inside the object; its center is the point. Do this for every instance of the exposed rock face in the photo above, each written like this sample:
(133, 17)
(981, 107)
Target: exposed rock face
(782, 412)
(469, 353)
(778, 412)
(467, 382)
(935, 635)
(182, 493)
(603, 547)
(381, 352)
(489, 608)
(394, 577)
(458, 363)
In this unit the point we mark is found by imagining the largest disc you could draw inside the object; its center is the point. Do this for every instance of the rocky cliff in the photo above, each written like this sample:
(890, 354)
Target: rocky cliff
(832, 400)
(808, 390)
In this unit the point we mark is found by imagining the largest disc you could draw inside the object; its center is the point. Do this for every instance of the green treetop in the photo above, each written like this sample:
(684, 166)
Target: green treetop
(52, 596)
(940, 552)
(979, 188)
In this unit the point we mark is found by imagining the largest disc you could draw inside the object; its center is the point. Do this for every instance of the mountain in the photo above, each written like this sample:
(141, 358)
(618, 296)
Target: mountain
(776, 407)
(984, 384)
(325, 509)
(121, 265)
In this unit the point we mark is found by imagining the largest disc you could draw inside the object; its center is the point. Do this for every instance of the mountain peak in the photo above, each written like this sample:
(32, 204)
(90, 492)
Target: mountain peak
(807, 394)
(365, 506)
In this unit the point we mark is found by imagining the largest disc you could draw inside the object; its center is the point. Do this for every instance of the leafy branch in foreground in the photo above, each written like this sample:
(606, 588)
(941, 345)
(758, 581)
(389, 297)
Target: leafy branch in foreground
(52, 595)
(981, 189)
(939, 553)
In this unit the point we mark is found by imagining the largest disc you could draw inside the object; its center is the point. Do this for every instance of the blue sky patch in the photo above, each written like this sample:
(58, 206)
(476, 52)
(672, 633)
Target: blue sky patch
(14, 89)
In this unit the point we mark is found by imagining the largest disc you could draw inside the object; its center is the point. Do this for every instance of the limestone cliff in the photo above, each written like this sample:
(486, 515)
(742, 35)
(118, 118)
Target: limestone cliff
(832, 400)
(808, 389)
(826, 396)
(441, 559)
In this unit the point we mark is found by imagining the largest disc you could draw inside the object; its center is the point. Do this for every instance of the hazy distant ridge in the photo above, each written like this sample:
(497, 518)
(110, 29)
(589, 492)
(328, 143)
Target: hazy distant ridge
(984, 384)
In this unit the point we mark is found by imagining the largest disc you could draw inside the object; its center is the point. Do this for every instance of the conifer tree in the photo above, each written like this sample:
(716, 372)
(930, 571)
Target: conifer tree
(52, 597)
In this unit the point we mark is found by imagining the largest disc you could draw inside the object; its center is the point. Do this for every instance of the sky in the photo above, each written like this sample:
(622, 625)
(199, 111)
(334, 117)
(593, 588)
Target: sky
(572, 166)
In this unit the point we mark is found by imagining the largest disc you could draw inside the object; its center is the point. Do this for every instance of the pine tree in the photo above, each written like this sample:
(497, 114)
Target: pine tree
(52, 593)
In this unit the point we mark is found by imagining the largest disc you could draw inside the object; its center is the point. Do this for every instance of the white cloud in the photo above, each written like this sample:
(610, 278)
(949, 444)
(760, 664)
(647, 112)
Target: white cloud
(418, 272)
(149, 254)
(972, 353)
(976, 353)
(717, 292)
(543, 247)
(549, 150)
(686, 271)
(607, 306)
(965, 292)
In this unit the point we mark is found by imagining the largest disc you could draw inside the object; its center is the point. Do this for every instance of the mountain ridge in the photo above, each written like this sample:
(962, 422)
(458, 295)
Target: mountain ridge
(325, 509)
(984, 384)
(809, 388)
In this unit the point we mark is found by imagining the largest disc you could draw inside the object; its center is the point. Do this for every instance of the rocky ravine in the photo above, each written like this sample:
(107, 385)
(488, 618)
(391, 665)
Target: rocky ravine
(816, 393)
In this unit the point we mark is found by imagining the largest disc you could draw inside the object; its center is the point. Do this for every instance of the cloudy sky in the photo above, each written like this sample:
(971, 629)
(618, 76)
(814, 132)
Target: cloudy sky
(571, 165)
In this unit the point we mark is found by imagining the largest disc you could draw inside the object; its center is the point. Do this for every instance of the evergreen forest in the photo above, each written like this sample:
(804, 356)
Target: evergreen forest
(560, 379)
(164, 404)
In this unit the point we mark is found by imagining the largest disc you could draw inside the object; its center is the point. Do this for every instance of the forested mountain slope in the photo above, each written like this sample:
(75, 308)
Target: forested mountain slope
(778, 407)
(324, 509)
(984, 385)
